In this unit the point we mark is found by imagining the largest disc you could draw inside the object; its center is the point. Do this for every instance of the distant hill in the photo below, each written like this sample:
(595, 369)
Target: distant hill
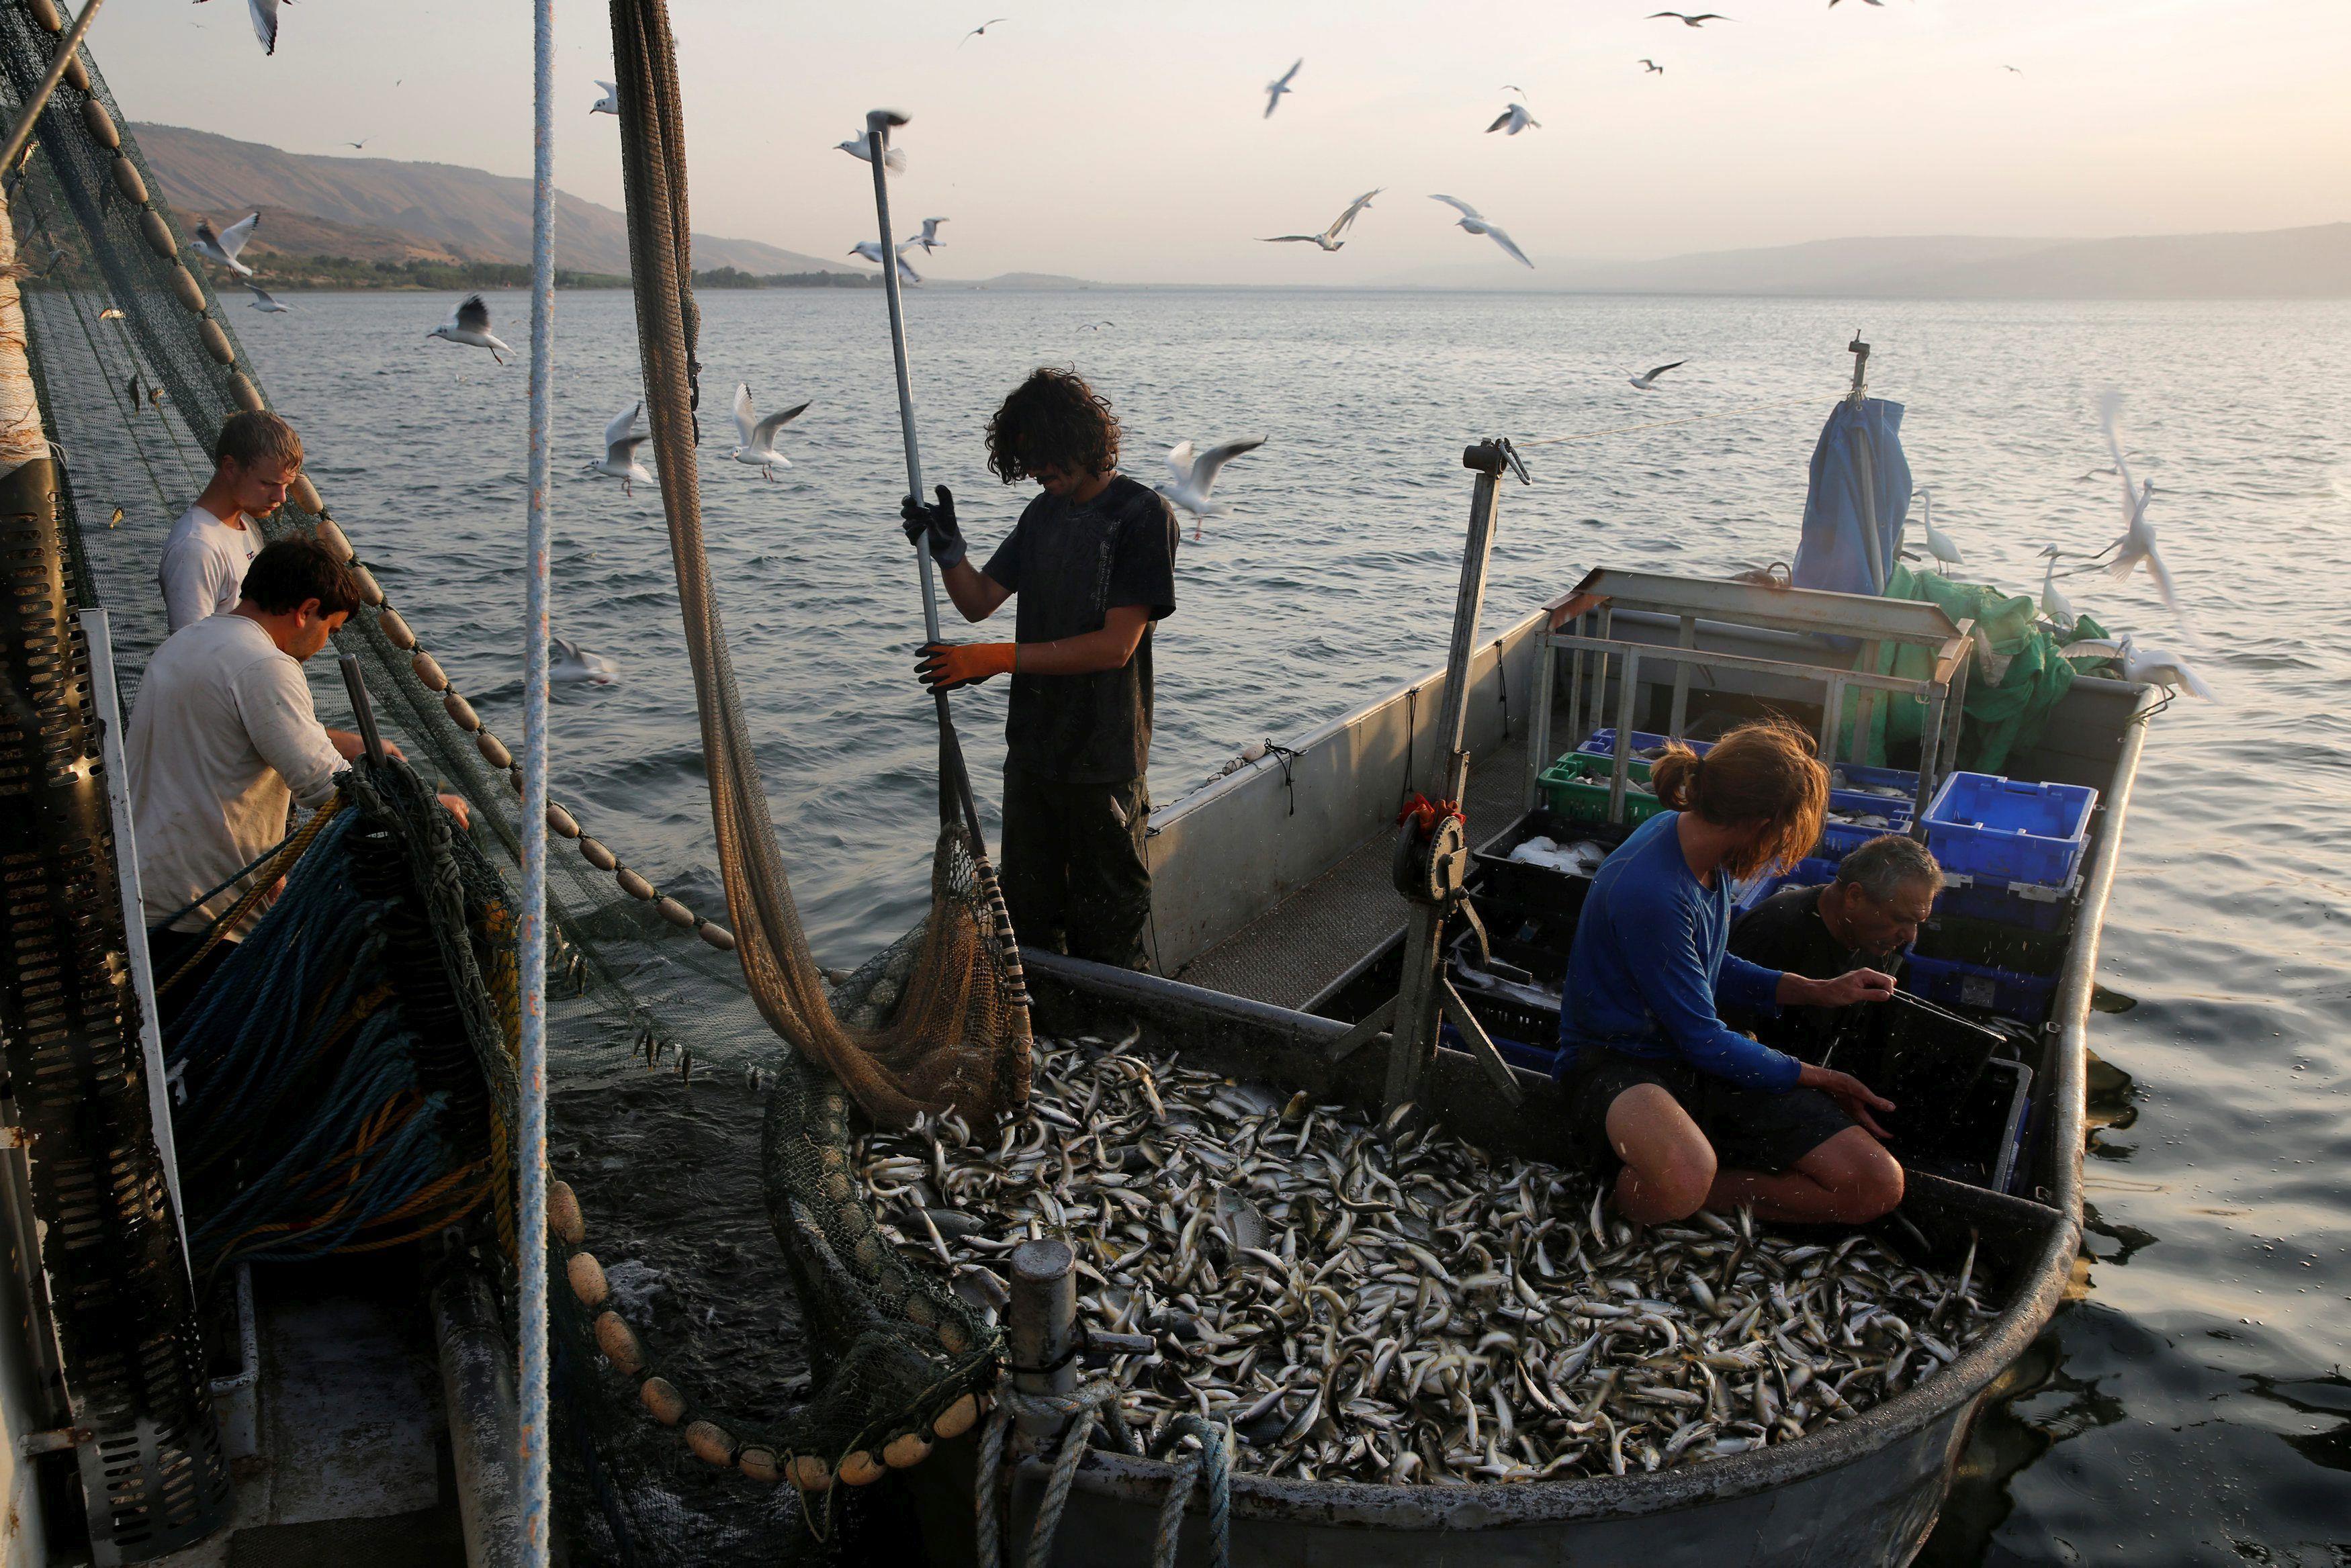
(383, 210)
(2276, 264)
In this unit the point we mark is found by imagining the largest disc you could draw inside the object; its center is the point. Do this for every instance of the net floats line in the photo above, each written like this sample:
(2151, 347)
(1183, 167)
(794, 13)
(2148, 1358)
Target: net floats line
(768, 1463)
(184, 288)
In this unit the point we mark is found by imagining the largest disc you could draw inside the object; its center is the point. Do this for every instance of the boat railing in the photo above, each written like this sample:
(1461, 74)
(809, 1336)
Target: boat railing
(1833, 642)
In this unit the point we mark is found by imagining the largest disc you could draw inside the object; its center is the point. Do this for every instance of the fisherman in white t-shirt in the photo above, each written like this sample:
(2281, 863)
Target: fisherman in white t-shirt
(222, 742)
(208, 549)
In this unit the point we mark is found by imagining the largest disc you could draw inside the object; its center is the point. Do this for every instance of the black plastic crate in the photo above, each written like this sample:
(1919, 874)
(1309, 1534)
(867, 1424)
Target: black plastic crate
(1927, 1059)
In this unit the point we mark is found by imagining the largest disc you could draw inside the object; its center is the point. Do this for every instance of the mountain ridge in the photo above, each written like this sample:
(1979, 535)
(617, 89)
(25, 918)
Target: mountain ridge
(390, 210)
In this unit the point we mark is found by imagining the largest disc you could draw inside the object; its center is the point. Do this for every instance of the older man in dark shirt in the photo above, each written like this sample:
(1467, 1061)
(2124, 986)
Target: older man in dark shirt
(1883, 893)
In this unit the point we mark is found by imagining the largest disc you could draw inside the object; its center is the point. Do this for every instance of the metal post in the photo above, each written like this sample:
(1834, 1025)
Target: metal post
(1539, 722)
(107, 699)
(363, 710)
(530, 1144)
(1414, 1042)
(1620, 770)
(20, 132)
(1040, 1327)
(1681, 679)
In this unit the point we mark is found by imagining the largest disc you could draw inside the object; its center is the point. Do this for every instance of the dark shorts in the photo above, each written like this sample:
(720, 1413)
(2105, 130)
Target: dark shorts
(1750, 1129)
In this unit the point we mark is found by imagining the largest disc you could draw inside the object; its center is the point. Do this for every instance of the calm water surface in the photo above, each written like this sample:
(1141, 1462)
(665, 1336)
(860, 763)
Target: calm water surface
(2191, 1403)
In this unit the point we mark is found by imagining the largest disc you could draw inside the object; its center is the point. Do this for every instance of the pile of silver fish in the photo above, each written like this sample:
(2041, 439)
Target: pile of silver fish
(1372, 1305)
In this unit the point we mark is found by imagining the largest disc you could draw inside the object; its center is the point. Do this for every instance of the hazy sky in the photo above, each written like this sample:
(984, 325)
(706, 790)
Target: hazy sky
(1126, 142)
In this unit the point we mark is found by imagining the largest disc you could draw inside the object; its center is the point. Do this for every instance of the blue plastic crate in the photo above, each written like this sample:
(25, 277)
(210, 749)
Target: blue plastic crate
(2023, 905)
(1812, 871)
(1603, 743)
(1997, 832)
(1854, 774)
(1957, 984)
(1839, 839)
(1543, 1059)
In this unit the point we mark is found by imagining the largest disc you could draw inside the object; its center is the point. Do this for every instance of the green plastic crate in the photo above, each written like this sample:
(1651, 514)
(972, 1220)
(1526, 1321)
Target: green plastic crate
(1576, 787)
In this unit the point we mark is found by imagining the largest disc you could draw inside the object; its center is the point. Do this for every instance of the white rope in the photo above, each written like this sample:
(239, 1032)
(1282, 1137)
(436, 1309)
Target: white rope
(530, 1147)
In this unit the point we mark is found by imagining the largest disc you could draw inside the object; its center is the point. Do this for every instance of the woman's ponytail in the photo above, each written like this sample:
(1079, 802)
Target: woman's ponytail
(1675, 776)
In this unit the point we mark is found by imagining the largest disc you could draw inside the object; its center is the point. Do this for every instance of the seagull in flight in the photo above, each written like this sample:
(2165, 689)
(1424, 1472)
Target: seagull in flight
(1700, 20)
(2142, 666)
(471, 326)
(611, 103)
(1192, 475)
(872, 251)
(1329, 239)
(1832, 4)
(264, 23)
(110, 313)
(2137, 542)
(758, 435)
(1515, 118)
(1274, 90)
(1477, 224)
(1648, 379)
(620, 444)
(929, 238)
(1096, 326)
(894, 159)
(360, 145)
(980, 31)
(1651, 67)
(2011, 68)
(569, 661)
(223, 247)
(1939, 544)
(266, 302)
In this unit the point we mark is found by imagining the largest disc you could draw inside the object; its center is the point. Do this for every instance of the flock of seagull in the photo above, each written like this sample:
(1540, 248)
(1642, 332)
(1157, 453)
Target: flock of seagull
(1191, 474)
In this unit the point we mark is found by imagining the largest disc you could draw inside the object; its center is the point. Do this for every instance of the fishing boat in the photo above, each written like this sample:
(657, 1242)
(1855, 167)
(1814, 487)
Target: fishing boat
(1279, 928)
(1302, 937)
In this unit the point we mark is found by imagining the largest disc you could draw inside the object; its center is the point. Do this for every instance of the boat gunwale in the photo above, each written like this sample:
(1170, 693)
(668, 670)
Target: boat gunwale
(1503, 1504)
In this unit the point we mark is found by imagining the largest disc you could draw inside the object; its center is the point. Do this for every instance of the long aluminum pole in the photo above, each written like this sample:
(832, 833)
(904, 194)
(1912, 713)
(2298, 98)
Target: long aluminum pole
(878, 124)
(107, 698)
(530, 1149)
(22, 131)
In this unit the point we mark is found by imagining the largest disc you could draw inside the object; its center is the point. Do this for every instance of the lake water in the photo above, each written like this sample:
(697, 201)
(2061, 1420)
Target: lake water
(2191, 1403)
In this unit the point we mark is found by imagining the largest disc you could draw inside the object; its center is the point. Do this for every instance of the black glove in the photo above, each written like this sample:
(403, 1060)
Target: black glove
(938, 522)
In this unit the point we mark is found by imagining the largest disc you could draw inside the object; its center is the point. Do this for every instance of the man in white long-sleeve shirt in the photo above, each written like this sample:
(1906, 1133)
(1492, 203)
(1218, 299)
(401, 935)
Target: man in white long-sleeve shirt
(224, 741)
(208, 552)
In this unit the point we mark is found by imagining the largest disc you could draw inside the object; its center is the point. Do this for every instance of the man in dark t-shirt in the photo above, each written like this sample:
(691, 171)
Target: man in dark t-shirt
(1094, 562)
(1884, 892)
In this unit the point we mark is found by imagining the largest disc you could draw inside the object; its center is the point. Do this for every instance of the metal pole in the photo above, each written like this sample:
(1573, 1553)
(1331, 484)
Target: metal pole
(20, 132)
(1414, 1041)
(107, 699)
(1040, 1321)
(878, 124)
(530, 1146)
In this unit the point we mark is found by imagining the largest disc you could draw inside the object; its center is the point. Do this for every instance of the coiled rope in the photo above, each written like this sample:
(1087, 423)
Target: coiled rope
(1097, 1403)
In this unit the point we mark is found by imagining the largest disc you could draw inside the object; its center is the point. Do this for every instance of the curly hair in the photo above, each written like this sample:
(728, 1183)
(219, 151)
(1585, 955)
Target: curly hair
(1053, 420)
(1766, 773)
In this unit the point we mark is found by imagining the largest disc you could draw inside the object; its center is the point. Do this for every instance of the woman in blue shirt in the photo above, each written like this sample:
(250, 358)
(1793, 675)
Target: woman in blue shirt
(1698, 1114)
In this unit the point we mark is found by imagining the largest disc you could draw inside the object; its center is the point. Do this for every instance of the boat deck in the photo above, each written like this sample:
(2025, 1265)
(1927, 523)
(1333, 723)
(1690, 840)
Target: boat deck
(1291, 952)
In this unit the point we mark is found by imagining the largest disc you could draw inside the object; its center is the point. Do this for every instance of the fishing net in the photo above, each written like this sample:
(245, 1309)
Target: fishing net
(958, 1039)
(137, 367)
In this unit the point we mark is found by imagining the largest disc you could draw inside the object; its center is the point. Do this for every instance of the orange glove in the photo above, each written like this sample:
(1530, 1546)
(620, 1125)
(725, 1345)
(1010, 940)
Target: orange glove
(944, 665)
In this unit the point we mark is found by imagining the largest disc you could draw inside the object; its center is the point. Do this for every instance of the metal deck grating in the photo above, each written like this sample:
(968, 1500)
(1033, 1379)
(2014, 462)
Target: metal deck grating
(1312, 936)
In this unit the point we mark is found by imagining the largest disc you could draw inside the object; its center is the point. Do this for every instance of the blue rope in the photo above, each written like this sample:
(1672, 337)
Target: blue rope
(280, 1089)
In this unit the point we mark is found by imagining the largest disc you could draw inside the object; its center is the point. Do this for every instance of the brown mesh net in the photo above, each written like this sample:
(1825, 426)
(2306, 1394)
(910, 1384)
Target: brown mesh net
(958, 1038)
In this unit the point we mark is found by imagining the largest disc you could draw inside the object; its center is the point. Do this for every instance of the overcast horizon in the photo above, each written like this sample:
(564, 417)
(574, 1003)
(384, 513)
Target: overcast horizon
(1794, 123)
